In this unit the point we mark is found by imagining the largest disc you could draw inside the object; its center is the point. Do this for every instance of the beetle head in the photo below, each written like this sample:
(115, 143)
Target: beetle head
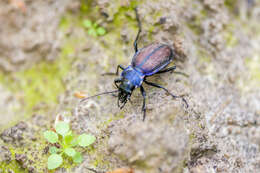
(125, 90)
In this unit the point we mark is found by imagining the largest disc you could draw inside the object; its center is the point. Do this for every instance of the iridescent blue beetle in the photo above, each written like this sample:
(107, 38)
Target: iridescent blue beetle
(149, 60)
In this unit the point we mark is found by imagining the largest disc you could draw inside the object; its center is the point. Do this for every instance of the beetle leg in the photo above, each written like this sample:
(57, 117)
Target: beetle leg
(174, 96)
(167, 69)
(172, 70)
(181, 73)
(117, 81)
(118, 104)
(139, 31)
(144, 106)
(117, 71)
(121, 107)
(93, 170)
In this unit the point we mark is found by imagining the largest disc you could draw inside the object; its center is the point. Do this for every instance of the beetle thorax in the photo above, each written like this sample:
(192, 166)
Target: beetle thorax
(131, 76)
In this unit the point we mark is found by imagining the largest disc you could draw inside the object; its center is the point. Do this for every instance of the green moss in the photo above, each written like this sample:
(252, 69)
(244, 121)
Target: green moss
(231, 41)
(229, 36)
(203, 13)
(98, 155)
(13, 166)
(100, 161)
(33, 152)
(122, 11)
(251, 81)
(42, 83)
(230, 4)
(203, 56)
(86, 6)
(64, 23)
(37, 88)
(191, 137)
(195, 23)
(253, 65)
(141, 164)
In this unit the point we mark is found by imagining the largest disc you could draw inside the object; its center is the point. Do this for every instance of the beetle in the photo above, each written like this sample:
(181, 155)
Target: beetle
(151, 59)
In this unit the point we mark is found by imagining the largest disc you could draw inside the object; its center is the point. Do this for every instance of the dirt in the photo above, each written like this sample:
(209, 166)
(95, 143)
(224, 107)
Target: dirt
(217, 46)
(14, 135)
(26, 35)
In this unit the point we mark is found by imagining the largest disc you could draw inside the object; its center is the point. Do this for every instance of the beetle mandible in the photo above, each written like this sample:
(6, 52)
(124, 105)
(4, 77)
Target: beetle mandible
(151, 59)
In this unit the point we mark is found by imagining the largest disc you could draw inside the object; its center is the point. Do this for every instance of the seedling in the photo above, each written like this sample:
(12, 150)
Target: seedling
(93, 28)
(64, 143)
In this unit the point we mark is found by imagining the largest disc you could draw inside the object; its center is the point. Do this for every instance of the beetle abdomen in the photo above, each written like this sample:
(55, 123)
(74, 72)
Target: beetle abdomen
(152, 58)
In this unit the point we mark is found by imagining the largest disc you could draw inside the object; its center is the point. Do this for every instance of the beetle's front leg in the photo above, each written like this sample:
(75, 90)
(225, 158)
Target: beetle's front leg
(117, 71)
(118, 80)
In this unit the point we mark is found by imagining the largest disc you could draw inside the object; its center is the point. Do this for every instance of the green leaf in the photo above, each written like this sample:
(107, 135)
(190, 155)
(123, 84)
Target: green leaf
(69, 133)
(77, 158)
(70, 152)
(92, 32)
(54, 161)
(95, 25)
(86, 140)
(62, 128)
(53, 150)
(87, 23)
(68, 139)
(50, 136)
(101, 31)
(74, 142)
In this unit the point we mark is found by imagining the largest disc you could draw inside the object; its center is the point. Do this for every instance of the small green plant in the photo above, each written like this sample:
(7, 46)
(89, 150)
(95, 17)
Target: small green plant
(93, 28)
(67, 141)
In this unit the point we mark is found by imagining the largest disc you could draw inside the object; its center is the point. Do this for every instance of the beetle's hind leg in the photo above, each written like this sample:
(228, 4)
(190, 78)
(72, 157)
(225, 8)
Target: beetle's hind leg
(139, 29)
(117, 71)
(167, 70)
(174, 96)
(171, 69)
(93, 170)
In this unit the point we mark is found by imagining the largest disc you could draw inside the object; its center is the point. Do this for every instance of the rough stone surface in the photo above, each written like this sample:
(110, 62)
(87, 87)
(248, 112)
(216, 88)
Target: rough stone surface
(14, 135)
(29, 33)
(5, 154)
(217, 46)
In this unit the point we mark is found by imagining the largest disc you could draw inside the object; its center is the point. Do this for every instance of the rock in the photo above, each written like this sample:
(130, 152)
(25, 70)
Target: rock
(14, 134)
(5, 154)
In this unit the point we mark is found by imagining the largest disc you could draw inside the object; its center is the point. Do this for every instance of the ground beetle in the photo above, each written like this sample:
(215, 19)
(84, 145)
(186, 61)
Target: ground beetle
(149, 60)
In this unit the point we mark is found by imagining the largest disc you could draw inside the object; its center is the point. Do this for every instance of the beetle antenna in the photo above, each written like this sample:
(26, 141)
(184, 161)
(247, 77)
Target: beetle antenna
(109, 92)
